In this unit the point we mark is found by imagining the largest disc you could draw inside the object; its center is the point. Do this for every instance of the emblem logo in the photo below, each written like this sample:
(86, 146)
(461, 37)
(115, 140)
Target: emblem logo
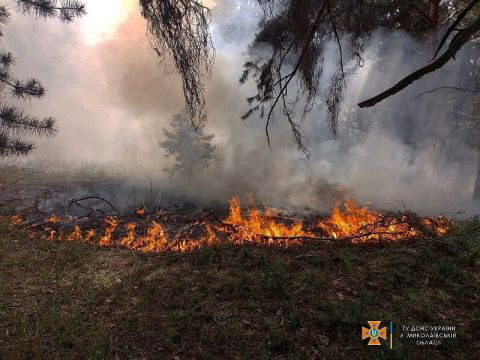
(374, 333)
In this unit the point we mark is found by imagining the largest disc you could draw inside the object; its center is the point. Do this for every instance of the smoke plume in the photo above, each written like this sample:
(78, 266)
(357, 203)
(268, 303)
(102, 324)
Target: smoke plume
(113, 99)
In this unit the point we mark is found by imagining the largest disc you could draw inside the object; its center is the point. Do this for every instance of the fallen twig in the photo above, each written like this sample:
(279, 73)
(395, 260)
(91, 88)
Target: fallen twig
(439, 238)
(21, 179)
(96, 197)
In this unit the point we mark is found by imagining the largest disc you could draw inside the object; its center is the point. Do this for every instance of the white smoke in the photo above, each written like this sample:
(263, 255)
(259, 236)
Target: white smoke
(113, 100)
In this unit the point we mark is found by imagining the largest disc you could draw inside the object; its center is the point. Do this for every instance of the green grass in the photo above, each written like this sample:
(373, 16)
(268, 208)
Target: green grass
(63, 300)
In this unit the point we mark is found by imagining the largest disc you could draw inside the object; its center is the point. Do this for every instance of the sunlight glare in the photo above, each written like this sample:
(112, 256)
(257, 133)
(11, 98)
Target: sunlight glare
(103, 18)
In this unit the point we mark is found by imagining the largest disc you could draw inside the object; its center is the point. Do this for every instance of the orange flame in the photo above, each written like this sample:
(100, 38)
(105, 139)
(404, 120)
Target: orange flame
(106, 239)
(258, 226)
(264, 226)
(361, 224)
(89, 235)
(54, 219)
(76, 234)
(16, 220)
(353, 219)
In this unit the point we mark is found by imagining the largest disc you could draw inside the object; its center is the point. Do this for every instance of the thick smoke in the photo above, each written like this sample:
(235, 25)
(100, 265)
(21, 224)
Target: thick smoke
(113, 100)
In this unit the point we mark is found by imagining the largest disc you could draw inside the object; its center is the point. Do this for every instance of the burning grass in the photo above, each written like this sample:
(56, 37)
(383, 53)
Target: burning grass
(164, 230)
(69, 300)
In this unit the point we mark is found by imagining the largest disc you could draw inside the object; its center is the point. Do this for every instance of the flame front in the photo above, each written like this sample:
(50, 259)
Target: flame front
(256, 226)
(361, 224)
(344, 224)
(148, 232)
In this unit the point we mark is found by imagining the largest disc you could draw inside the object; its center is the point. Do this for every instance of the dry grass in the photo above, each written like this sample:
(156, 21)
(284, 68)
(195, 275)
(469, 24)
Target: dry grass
(72, 301)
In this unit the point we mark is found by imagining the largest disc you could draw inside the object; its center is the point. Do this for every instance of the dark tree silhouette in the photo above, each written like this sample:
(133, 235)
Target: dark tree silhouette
(298, 32)
(13, 122)
(463, 36)
(191, 148)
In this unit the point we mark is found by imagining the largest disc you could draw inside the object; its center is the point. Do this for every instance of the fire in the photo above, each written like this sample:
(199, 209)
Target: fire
(256, 226)
(128, 240)
(442, 227)
(361, 224)
(344, 224)
(89, 235)
(16, 220)
(155, 240)
(76, 234)
(106, 239)
(267, 226)
(50, 234)
(54, 219)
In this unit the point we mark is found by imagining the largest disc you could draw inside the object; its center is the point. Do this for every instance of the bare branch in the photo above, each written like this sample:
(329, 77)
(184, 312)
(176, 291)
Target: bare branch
(96, 197)
(20, 179)
(456, 44)
(475, 91)
(454, 25)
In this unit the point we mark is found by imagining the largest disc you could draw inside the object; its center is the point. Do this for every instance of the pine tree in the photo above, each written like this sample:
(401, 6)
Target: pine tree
(191, 148)
(14, 124)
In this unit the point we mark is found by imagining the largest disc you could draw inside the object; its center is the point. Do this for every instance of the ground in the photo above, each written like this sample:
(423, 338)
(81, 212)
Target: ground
(61, 300)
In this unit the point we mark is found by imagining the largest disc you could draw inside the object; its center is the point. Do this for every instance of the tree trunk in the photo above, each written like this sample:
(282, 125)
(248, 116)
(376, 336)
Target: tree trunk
(476, 191)
(434, 16)
(434, 13)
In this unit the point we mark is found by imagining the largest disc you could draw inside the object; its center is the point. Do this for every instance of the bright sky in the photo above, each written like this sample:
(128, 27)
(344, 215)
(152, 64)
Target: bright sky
(103, 18)
(210, 3)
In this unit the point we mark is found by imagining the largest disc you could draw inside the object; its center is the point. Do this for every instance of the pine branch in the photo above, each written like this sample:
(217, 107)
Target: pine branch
(65, 10)
(26, 89)
(13, 147)
(13, 121)
(179, 30)
(4, 16)
(6, 60)
(30, 88)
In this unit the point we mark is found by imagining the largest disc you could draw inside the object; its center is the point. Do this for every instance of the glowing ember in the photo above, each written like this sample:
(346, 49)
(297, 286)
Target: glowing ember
(154, 233)
(16, 220)
(54, 219)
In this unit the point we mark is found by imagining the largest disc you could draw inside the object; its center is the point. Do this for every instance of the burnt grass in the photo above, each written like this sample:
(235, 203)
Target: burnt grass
(65, 300)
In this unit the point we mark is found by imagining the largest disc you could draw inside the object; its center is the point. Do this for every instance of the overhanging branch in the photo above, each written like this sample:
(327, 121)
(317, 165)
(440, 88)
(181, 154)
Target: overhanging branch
(456, 44)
